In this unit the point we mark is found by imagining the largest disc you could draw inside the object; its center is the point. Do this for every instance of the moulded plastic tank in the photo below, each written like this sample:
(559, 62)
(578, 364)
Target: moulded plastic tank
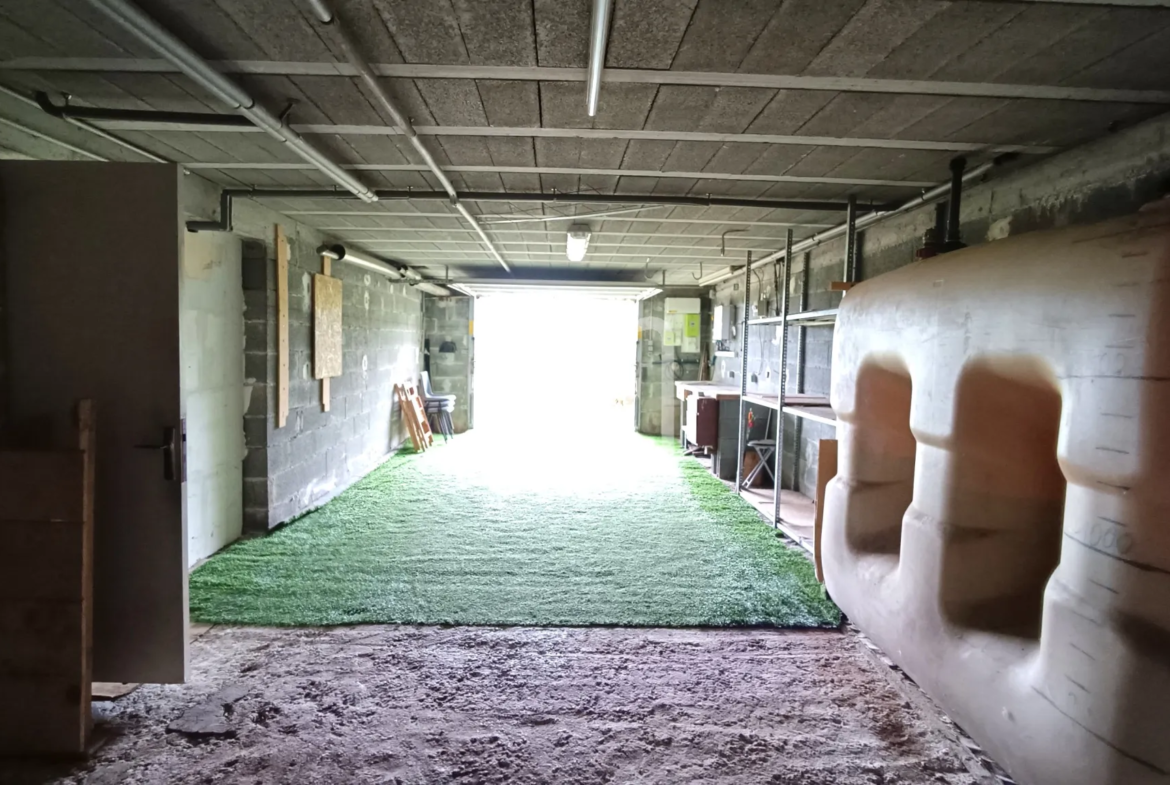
(1000, 520)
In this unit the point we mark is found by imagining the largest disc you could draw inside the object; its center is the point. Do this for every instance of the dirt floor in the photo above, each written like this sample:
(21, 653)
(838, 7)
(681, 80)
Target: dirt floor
(524, 705)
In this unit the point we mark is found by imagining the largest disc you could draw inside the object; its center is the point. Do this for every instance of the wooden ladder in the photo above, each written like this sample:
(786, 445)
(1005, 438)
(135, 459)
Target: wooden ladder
(414, 414)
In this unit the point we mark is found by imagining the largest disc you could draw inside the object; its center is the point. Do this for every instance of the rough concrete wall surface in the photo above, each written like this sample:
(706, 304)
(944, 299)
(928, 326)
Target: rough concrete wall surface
(1111, 177)
(211, 336)
(317, 454)
(659, 367)
(450, 319)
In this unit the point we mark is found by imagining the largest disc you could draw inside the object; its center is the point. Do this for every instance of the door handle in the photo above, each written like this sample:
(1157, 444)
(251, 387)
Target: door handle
(169, 449)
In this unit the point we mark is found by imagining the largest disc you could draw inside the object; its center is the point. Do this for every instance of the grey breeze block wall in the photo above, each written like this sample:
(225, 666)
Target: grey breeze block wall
(451, 319)
(659, 367)
(1111, 177)
(317, 454)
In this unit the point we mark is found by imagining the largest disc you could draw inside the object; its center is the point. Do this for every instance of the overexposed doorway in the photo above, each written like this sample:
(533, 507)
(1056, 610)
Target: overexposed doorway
(554, 362)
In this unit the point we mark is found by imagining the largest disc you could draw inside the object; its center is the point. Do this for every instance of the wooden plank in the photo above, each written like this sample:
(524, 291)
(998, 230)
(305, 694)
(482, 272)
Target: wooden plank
(826, 470)
(282, 358)
(841, 286)
(111, 690)
(41, 485)
(46, 579)
(326, 269)
(420, 412)
(42, 639)
(46, 722)
(407, 408)
(43, 560)
(327, 297)
(87, 443)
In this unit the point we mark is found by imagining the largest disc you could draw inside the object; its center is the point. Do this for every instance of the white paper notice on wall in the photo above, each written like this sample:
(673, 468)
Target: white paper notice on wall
(682, 323)
(672, 331)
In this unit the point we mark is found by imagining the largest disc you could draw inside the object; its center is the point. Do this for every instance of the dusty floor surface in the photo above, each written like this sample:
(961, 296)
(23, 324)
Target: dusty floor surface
(524, 705)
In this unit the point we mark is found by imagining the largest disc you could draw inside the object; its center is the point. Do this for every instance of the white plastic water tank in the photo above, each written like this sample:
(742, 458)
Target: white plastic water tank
(1000, 521)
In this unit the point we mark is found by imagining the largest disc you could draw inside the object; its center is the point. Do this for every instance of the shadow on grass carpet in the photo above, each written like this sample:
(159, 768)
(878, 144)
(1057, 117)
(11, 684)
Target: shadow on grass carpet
(479, 532)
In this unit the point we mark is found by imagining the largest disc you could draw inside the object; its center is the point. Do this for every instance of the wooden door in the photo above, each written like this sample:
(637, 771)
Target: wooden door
(92, 252)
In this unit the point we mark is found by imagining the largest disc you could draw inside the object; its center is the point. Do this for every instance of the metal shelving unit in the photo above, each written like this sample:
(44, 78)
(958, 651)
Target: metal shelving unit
(799, 405)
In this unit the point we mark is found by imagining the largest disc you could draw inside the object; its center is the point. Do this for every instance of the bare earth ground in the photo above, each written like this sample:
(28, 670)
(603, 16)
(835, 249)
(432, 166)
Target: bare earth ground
(401, 704)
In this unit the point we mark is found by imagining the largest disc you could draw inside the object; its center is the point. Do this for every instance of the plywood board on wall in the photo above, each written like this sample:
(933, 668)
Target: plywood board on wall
(326, 327)
(282, 358)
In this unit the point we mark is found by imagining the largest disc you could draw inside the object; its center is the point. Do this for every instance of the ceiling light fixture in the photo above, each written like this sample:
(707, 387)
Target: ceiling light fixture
(577, 242)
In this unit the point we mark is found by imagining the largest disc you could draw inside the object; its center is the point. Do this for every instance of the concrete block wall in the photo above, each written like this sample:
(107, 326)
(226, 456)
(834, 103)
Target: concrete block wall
(317, 454)
(1111, 177)
(451, 319)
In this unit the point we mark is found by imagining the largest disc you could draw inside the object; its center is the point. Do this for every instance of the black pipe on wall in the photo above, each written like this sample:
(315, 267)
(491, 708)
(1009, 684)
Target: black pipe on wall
(954, 240)
(140, 115)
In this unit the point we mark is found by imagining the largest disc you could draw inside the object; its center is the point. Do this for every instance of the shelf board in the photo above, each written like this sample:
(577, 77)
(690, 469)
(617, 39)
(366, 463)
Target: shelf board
(812, 407)
(827, 316)
(821, 414)
(761, 400)
(806, 318)
(797, 513)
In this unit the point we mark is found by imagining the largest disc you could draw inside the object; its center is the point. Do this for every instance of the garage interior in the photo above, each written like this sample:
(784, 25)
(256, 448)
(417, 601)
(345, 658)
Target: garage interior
(585, 391)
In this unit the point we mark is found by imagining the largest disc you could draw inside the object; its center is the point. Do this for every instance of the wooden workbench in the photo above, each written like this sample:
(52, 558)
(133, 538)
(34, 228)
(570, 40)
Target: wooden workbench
(723, 392)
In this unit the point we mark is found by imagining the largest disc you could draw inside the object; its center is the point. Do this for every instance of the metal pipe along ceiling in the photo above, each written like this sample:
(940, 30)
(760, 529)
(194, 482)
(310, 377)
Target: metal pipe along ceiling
(195, 67)
(869, 219)
(326, 16)
(652, 200)
(598, 36)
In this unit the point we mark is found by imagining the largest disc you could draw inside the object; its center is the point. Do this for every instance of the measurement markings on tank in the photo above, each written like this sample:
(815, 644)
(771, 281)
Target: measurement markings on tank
(1103, 586)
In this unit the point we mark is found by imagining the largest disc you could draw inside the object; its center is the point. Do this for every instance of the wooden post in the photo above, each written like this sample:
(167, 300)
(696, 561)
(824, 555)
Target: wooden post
(282, 359)
(326, 269)
(88, 447)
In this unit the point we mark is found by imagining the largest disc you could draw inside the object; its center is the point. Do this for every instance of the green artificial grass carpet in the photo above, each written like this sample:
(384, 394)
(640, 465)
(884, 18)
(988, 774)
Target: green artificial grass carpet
(483, 531)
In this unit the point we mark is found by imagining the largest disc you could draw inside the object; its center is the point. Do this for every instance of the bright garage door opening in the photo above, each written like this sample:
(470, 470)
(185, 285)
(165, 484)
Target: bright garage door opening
(555, 362)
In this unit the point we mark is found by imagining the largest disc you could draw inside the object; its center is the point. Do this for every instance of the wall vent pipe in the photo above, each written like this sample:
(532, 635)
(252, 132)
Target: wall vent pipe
(145, 29)
(345, 255)
(954, 239)
(598, 38)
(101, 114)
(357, 259)
(326, 16)
(223, 223)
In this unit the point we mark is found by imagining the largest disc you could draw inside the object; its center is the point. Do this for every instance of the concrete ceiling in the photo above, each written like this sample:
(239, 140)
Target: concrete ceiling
(759, 99)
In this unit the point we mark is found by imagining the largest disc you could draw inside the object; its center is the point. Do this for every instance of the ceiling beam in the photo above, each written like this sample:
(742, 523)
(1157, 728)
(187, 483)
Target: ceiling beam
(555, 232)
(603, 133)
(769, 245)
(659, 256)
(847, 84)
(704, 221)
(572, 171)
